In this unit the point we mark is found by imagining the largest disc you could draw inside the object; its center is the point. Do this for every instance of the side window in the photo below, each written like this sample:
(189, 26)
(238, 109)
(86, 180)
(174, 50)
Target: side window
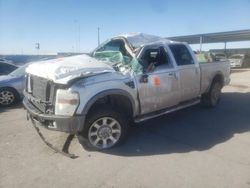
(155, 57)
(6, 68)
(181, 54)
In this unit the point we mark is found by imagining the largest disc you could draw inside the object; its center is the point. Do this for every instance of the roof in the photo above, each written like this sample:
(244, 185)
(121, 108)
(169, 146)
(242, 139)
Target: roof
(139, 39)
(229, 36)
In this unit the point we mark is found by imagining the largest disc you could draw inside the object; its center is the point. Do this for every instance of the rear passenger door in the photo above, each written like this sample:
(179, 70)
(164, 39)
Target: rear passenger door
(189, 71)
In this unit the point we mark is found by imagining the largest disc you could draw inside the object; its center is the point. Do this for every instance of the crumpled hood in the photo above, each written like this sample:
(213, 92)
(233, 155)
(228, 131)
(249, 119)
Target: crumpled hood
(62, 70)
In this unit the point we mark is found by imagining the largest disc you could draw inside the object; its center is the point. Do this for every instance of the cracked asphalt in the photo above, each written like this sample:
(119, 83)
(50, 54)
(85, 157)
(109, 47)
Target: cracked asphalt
(194, 147)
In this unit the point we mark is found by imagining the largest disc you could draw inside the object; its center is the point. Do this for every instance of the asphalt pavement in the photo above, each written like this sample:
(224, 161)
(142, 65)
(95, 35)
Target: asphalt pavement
(194, 147)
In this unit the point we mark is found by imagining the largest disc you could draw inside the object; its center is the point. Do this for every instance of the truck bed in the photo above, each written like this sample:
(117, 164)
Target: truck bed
(208, 70)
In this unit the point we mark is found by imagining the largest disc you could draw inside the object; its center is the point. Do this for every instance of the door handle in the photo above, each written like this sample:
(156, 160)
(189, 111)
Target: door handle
(173, 74)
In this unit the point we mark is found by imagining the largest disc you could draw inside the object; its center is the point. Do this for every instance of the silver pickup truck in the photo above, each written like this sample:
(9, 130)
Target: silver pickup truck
(129, 78)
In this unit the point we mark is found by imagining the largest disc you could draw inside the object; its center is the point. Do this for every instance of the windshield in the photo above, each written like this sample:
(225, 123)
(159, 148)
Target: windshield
(114, 53)
(111, 57)
(236, 57)
(19, 71)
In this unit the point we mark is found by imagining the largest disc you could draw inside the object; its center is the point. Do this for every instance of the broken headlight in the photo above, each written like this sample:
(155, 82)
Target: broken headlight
(66, 102)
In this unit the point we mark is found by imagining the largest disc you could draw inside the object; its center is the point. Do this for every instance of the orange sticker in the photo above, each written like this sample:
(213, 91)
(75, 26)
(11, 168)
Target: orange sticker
(156, 81)
(60, 59)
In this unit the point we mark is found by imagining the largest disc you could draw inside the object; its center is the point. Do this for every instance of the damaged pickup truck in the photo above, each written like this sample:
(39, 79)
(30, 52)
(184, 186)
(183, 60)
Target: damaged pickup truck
(131, 77)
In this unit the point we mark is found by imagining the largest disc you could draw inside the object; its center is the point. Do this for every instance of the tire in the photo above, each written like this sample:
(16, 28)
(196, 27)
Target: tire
(243, 65)
(104, 128)
(8, 97)
(212, 98)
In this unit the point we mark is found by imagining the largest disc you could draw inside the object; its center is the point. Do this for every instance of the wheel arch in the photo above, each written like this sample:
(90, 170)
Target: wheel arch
(115, 97)
(15, 92)
(10, 88)
(218, 76)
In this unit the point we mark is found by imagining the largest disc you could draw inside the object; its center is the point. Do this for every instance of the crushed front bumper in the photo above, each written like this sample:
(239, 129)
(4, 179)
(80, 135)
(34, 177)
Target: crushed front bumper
(69, 124)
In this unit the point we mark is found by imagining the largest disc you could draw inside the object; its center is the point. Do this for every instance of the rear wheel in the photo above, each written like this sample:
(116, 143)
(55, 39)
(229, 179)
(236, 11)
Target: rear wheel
(212, 98)
(104, 129)
(8, 97)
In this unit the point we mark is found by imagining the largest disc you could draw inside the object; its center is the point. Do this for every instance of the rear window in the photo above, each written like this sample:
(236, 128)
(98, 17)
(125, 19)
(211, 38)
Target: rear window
(181, 54)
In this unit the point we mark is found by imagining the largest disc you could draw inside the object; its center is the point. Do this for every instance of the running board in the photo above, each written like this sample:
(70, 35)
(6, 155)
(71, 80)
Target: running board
(166, 111)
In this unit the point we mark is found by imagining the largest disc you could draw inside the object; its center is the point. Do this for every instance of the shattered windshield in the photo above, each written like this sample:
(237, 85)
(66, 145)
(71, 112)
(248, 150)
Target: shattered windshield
(111, 57)
(115, 54)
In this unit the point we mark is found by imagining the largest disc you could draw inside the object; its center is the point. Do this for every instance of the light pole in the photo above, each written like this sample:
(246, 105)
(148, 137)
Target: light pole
(98, 35)
(79, 39)
(37, 46)
(201, 41)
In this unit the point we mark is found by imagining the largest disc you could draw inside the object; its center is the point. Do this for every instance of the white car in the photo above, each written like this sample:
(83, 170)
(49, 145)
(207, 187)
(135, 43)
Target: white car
(239, 60)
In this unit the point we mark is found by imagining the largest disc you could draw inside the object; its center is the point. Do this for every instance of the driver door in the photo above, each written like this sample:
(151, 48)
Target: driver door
(158, 88)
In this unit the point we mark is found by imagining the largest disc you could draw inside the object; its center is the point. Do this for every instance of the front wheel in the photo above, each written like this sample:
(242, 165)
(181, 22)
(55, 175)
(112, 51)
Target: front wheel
(212, 98)
(104, 129)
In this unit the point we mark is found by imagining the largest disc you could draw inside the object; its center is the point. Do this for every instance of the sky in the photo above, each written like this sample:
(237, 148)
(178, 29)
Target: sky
(71, 25)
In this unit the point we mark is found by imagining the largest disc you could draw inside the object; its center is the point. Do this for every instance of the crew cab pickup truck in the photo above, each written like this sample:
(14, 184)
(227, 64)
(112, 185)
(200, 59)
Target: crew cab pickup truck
(129, 78)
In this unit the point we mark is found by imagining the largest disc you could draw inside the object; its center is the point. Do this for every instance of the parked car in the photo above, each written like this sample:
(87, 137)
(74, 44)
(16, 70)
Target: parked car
(239, 60)
(6, 68)
(131, 77)
(3, 60)
(12, 86)
(220, 57)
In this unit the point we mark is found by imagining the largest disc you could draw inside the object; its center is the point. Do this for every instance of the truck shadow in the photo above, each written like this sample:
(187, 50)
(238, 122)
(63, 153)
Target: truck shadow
(192, 129)
(15, 106)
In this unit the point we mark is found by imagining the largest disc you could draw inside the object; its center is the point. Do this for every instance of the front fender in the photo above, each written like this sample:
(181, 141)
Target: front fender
(106, 93)
(91, 92)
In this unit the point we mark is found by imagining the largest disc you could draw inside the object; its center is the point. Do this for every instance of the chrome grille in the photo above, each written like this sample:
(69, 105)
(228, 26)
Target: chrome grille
(41, 89)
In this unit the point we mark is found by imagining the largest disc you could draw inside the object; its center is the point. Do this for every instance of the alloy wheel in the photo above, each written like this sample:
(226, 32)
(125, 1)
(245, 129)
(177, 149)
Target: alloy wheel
(6, 97)
(104, 132)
